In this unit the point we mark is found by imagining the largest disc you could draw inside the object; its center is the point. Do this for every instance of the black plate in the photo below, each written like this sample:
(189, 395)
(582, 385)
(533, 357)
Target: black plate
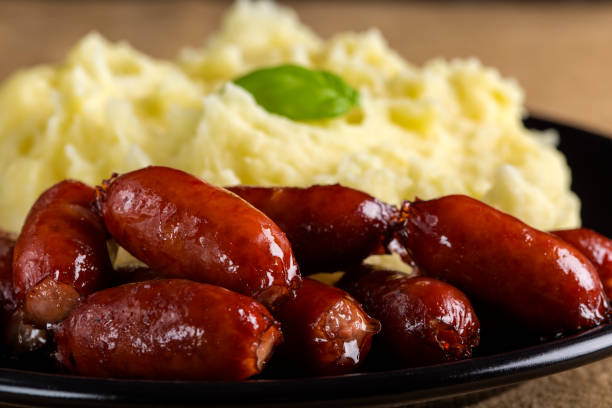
(588, 155)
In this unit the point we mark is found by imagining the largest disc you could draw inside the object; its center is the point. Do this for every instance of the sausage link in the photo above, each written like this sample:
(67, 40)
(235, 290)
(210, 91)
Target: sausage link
(329, 227)
(61, 253)
(17, 335)
(596, 247)
(424, 320)
(535, 277)
(184, 227)
(170, 329)
(325, 330)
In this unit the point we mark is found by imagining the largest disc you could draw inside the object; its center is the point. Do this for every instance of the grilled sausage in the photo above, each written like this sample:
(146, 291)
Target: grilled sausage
(61, 253)
(184, 227)
(329, 227)
(424, 320)
(596, 247)
(532, 276)
(326, 331)
(170, 329)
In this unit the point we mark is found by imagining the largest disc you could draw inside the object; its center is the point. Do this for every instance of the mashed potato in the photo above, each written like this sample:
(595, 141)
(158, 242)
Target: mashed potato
(448, 127)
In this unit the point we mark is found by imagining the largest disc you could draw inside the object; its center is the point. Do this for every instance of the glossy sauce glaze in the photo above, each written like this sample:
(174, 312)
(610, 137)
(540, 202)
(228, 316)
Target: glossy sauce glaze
(62, 246)
(326, 331)
(424, 320)
(329, 227)
(171, 329)
(184, 227)
(532, 276)
(596, 247)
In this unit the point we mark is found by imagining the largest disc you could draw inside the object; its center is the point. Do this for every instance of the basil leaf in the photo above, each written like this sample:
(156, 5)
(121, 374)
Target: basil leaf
(299, 93)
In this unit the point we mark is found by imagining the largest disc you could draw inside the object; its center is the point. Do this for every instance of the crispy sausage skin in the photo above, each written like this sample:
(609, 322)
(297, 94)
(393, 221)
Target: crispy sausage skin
(184, 227)
(329, 227)
(61, 253)
(424, 320)
(532, 276)
(326, 331)
(170, 329)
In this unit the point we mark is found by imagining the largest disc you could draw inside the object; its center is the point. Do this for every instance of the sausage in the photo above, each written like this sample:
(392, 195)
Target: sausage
(594, 246)
(536, 278)
(61, 253)
(170, 329)
(18, 335)
(329, 227)
(183, 227)
(424, 320)
(8, 300)
(326, 331)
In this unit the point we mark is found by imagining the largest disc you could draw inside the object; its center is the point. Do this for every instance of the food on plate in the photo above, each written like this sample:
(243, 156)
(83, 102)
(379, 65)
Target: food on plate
(325, 330)
(424, 320)
(183, 227)
(329, 227)
(596, 247)
(447, 127)
(332, 135)
(167, 329)
(533, 276)
(60, 254)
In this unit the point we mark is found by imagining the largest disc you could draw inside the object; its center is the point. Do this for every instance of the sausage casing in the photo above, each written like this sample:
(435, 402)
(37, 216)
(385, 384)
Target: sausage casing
(424, 320)
(596, 247)
(167, 329)
(329, 227)
(184, 227)
(63, 244)
(325, 330)
(532, 276)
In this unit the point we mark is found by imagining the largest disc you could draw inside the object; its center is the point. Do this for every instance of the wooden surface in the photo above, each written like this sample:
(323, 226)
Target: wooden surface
(560, 53)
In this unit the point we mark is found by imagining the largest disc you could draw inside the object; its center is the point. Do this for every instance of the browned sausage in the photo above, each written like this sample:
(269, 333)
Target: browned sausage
(326, 331)
(424, 320)
(61, 253)
(18, 335)
(184, 227)
(329, 227)
(532, 276)
(167, 329)
(597, 248)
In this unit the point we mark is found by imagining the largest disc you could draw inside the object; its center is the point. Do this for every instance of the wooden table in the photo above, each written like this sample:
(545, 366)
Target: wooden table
(560, 53)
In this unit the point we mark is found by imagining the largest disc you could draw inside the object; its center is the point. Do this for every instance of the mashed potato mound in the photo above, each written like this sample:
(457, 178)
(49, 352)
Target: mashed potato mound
(448, 127)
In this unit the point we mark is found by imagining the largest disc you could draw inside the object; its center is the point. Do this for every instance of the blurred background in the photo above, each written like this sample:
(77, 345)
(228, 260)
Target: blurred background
(560, 52)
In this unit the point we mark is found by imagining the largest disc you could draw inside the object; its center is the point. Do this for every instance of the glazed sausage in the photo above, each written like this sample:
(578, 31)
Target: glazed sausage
(596, 247)
(17, 335)
(325, 330)
(171, 329)
(61, 253)
(424, 320)
(329, 227)
(532, 276)
(8, 300)
(184, 227)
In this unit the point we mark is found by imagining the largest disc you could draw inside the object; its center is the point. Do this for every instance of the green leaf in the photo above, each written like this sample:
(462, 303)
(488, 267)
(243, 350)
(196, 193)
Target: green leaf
(300, 93)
